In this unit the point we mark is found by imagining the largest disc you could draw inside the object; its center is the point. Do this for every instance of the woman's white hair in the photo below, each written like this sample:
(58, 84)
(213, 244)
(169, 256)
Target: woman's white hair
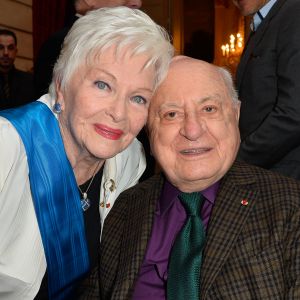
(119, 26)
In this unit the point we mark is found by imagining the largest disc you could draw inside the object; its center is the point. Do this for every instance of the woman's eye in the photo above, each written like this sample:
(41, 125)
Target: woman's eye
(139, 100)
(102, 85)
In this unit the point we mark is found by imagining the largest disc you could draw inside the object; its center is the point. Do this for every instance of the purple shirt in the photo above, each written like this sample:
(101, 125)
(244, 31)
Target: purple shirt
(168, 220)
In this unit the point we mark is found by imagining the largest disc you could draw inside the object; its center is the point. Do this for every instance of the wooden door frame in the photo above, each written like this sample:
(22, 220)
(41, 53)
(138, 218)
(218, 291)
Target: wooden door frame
(177, 24)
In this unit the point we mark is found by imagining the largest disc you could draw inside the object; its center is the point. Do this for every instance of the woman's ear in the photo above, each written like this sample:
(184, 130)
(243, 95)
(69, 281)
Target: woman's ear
(59, 95)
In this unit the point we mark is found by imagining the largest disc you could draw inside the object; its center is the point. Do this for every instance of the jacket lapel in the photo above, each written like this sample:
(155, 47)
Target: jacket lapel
(235, 200)
(254, 40)
(136, 234)
(110, 247)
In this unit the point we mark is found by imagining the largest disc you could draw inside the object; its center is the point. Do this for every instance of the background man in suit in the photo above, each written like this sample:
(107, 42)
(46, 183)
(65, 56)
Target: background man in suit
(250, 216)
(50, 50)
(269, 86)
(16, 86)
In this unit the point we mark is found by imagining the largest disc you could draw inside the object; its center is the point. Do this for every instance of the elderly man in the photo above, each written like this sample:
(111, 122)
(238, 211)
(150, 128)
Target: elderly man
(208, 227)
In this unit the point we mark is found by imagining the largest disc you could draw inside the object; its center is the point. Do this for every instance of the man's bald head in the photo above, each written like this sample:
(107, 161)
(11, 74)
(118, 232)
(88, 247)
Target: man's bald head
(193, 124)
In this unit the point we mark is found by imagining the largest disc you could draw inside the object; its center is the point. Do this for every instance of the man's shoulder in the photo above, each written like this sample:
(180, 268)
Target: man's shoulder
(284, 12)
(245, 168)
(52, 45)
(241, 170)
(291, 3)
(155, 182)
(290, 7)
(268, 184)
(23, 74)
(58, 35)
(139, 200)
(145, 192)
(22, 81)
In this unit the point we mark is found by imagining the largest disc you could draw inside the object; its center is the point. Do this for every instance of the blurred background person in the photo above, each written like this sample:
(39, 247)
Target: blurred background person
(16, 86)
(50, 49)
(66, 157)
(269, 87)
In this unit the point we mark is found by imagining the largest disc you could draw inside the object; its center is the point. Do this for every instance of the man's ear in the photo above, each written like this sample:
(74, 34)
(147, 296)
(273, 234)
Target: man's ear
(146, 129)
(237, 104)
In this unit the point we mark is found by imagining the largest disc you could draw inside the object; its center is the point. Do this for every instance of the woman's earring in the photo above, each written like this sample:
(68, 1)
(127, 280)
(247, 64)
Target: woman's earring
(57, 107)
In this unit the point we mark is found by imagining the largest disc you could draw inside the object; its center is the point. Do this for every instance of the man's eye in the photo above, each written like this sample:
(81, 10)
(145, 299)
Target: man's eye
(209, 109)
(139, 100)
(102, 85)
(170, 115)
(11, 47)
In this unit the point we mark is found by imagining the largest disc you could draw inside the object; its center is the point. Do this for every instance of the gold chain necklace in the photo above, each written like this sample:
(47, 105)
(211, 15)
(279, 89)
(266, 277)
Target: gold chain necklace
(85, 201)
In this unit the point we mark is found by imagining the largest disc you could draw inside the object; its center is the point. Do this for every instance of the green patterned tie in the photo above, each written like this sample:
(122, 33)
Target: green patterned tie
(186, 255)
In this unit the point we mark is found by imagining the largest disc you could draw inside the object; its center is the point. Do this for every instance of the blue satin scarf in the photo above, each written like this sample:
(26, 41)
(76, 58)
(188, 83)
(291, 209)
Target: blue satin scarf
(55, 196)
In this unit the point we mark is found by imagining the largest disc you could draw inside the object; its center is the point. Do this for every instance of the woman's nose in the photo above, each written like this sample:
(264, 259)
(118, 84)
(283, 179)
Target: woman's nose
(134, 3)
(118, 110)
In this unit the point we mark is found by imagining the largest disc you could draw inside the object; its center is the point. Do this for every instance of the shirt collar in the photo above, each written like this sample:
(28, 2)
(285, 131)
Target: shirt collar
(263, 11)
(170, 194)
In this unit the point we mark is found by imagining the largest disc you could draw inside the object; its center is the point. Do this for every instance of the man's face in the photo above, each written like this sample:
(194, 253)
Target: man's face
(113, 3)
(249, 7)
(8, 52)
(193, 125)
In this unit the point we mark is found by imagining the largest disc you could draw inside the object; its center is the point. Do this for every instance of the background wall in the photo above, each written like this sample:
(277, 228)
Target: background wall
(16, 15)
(199, 29)
(181, 18)
(159, 10)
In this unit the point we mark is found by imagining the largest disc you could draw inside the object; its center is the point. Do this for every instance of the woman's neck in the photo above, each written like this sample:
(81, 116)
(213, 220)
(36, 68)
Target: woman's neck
(83, 163)
(86, 169)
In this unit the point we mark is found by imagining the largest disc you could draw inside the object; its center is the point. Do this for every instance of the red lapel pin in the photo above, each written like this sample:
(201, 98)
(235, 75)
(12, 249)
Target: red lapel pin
(244, 202)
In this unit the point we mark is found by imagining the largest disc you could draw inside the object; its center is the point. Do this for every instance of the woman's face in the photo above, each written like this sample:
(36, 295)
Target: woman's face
(105, 106)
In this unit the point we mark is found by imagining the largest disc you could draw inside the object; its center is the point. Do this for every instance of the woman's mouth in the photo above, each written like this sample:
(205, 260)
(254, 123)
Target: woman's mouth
(108, 132)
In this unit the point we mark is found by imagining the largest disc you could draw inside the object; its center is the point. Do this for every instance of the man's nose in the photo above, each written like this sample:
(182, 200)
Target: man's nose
(193, 127)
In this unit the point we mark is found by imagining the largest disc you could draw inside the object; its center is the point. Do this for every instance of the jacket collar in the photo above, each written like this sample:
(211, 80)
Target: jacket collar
(255, 39)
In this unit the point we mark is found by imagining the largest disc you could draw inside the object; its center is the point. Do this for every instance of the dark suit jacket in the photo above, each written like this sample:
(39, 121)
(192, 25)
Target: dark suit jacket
(46, 59)
(21, 89)
(269, 88)
(252, 251)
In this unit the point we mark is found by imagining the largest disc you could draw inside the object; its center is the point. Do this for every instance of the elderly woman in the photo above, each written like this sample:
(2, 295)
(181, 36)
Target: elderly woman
(70, 154)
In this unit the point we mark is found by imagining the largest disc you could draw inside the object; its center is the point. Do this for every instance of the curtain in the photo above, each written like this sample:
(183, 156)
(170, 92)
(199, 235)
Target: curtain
(48, 16)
